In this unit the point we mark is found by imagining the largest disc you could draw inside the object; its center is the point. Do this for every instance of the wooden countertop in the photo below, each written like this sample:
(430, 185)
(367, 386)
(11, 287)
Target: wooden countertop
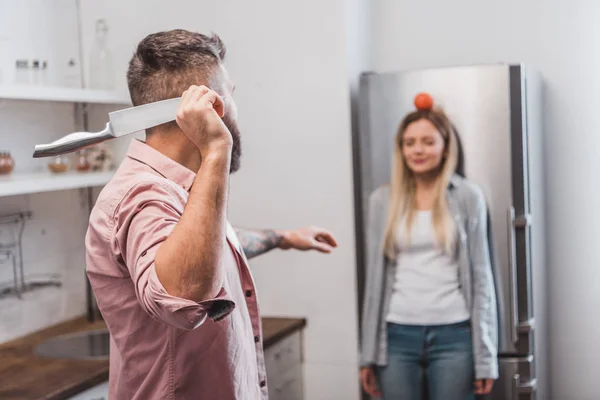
(25, 376)
(275, 329)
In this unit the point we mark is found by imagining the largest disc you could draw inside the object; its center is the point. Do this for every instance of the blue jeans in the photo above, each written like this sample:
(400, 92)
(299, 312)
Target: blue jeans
(437, 359)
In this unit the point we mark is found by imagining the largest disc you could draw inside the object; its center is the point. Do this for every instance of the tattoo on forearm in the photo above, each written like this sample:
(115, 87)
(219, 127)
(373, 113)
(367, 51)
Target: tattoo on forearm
(256, 243)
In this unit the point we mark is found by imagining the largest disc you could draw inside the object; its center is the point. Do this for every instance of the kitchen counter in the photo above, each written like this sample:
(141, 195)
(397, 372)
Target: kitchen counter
(25, 376)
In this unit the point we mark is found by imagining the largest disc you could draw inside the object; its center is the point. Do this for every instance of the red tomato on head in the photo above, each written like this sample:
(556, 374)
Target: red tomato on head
(423, 101)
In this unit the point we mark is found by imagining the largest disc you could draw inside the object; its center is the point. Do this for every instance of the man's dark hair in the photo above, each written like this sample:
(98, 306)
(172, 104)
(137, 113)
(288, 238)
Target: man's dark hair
(165, 64)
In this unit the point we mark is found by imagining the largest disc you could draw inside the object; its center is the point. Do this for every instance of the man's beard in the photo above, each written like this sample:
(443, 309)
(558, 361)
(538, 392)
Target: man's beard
(236, 150)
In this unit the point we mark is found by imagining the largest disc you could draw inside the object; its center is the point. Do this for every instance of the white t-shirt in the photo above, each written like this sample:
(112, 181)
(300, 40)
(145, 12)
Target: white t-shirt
(426, 290)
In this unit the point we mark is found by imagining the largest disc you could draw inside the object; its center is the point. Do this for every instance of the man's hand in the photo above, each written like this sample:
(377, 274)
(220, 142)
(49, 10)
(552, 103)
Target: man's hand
(200, 116)
(483, 386)
(256, 242)
(311, 238)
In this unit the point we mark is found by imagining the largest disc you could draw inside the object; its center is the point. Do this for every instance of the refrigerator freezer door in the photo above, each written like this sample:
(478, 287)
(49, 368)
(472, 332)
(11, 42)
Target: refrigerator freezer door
(478, 101)
(517, 380)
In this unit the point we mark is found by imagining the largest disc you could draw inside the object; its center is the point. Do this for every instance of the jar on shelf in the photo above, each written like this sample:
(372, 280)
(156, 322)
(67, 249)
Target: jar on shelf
(81, 161)
(58, 165)
(7, 163)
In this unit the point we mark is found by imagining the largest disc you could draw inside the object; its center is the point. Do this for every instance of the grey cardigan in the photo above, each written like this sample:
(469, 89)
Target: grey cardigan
(468, 208)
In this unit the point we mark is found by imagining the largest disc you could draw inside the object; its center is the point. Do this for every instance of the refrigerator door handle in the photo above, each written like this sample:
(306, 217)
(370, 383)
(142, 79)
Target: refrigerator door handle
(516, 327)
(519, 388)
(516, 382)
(528, 387)
(526, 326)
(512, 277)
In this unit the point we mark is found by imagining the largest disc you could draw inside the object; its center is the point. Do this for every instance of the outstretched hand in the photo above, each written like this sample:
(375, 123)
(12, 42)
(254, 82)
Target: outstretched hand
(310, 238)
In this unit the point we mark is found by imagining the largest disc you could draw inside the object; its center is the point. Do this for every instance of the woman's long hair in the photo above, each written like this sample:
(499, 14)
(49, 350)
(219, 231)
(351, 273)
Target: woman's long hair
(403, 185)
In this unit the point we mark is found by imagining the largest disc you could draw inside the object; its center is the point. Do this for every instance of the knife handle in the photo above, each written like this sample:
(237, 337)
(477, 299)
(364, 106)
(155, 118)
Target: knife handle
(72, 142)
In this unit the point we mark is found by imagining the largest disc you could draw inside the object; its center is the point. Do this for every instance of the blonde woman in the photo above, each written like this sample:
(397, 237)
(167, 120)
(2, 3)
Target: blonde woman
(429, 318)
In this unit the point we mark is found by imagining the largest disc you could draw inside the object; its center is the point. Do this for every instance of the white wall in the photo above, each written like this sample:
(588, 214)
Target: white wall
(289, 63)
(560, 39)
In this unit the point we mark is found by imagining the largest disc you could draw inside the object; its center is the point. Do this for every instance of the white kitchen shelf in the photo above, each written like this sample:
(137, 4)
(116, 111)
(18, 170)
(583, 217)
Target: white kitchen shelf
(27, 183)
(70, 95)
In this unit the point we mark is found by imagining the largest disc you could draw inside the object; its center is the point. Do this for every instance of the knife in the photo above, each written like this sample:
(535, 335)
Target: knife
(121, 123)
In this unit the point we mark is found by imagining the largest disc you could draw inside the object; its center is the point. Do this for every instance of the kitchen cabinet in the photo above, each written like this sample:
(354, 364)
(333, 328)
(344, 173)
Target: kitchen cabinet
(283, 361)
(58, 378)
(284, 372)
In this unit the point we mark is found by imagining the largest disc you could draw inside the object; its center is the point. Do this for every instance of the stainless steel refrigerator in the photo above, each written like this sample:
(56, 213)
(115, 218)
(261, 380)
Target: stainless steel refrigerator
(496, 110)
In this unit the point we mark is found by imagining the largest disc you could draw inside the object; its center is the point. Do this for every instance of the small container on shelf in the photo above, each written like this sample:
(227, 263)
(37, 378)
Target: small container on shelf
(71, 75)
(101, 158)
(7, 163)
(43, 78)
(58, 165)
(34, 73)
(81, 163)
(22, 72)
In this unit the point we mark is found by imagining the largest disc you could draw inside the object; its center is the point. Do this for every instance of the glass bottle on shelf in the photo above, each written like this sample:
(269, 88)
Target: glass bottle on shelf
(102, 75)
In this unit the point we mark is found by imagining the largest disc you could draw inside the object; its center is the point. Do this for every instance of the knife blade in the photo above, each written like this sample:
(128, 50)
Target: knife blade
(121, 123)
(135, 119)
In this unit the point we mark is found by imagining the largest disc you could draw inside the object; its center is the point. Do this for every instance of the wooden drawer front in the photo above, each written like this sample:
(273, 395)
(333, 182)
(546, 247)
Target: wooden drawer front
(287, 386)
(283, 356)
